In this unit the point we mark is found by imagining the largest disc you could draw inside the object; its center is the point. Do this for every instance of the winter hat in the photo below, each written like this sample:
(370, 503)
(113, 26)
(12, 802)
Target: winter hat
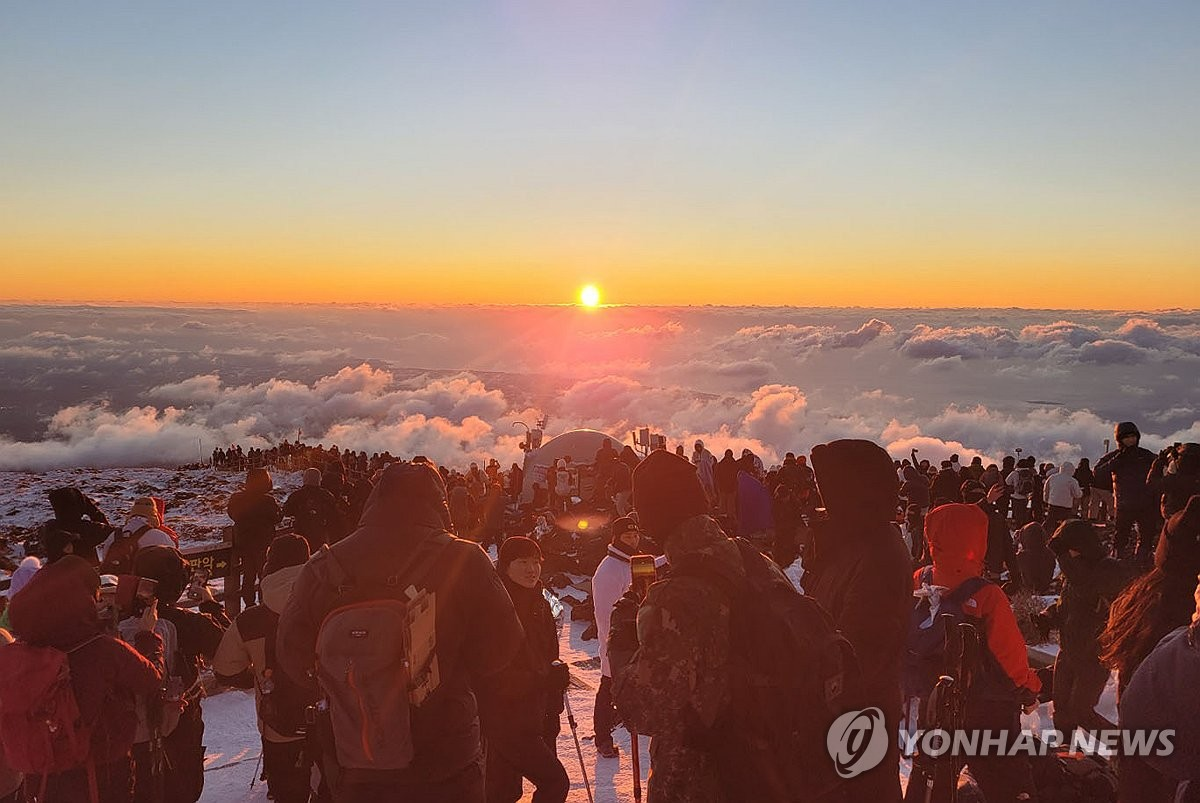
(145, 507)
(516, 548)
(286, 550)
(24, 573)
(1178, 552)
(312, 476)
(1126, 428)
(625, 524)
(667, 492)
(856, 479)
(167, 566)
(1078, 535)
(56, 539)
(258, 480)
(972, 491)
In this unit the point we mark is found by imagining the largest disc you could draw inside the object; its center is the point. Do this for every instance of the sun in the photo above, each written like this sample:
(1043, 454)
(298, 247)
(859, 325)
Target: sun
(589, 296)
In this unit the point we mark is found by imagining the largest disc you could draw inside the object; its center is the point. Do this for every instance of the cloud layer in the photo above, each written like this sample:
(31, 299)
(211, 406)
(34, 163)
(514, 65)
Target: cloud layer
(140, 386)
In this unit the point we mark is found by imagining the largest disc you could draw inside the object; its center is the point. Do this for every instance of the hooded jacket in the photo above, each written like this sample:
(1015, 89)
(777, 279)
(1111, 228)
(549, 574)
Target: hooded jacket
(1092, 582)
(676, 684)
(58, 609)
(957, 537)
(255, 513)
(1125, 471)
(477, 631)
(915, 489)
(1062, 489)
(243, 647)
(1035, 558)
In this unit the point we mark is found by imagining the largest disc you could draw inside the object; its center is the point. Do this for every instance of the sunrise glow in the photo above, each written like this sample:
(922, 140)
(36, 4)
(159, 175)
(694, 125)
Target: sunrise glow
(589, 296)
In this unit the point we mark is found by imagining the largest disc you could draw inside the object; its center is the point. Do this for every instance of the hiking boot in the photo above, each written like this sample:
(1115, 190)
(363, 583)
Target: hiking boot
(607, 749)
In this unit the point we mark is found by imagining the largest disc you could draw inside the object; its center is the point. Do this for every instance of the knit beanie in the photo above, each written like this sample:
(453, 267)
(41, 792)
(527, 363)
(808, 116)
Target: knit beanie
(623, 525)
(286, 550)
(24, 573)
(516, 548)
(145, 507)
(667, 492)
(312, 476)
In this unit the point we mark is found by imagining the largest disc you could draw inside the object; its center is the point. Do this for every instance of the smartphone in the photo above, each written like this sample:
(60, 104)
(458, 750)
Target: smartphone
(644, 572)
(199, 580)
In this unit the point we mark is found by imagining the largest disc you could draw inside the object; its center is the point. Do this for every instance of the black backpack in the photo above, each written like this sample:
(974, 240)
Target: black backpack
(925, 657)
(283, 704)
(789, 670)
(1026, 483)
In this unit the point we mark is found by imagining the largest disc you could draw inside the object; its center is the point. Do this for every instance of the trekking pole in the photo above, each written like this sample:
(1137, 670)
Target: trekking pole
(254, 777)
(578, 750)
(636, 754)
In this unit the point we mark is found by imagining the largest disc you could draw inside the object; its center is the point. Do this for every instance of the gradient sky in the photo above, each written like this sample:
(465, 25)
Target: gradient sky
(934, 153)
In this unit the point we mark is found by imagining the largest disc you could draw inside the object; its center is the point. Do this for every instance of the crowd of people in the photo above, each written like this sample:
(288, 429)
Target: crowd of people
(392, 659)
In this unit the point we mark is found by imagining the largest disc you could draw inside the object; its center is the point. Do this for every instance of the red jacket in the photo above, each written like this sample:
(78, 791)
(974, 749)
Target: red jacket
(58, 609)
(957, 537)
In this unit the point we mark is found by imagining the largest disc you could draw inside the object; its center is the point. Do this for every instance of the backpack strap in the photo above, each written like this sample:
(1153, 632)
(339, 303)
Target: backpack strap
(414, 567)
(967, 589)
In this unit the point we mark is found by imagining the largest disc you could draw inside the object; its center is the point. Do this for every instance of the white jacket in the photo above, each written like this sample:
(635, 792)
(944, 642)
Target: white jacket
(152, 537)
(1062, 490)
(612, 579)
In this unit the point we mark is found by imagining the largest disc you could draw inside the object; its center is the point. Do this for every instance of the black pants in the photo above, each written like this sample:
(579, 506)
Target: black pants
(1078, 684)
(1056, 516)
(288, 766)
(1148, 524)
(1002, 779)
(184, 748)
(114, 782)
(512, 757)
(252, 565)
(604, 717)
(149, 770)
(366, 786)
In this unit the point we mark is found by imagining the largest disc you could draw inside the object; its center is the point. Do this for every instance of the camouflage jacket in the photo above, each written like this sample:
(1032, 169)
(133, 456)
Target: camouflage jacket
(676, 684)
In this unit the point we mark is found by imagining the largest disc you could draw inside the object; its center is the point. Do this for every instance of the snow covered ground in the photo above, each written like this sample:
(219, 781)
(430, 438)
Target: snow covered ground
(233, 746)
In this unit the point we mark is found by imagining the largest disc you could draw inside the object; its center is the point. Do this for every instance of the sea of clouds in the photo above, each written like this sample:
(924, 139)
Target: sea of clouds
(133, 386)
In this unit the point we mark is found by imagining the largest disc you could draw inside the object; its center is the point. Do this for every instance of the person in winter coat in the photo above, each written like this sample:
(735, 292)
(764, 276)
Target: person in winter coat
(255, 513)
(477, 632)
(1156, 602)
(1022, 487)
(610, 582)
(462, 510)
(946, 485)
(197, 636)
(1091, 582)
(59, 609)
(1127, 467)
(1174, 477)
(77, 513)
(246, 658)
(1035, 558)
(1162, 696)
(1001, 554)
(958, 542)
(145, 526)
(706, 467)
(726, 480)
(315, 511)
(915, 489)
(670, 657)
(859, 572)
(1063, 496)
(1083, 476)
(491, 518)
(521, 716)
(11, 781)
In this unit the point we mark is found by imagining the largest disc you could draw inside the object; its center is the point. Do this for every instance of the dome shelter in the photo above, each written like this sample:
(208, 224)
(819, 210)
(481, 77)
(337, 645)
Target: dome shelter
(580, 445)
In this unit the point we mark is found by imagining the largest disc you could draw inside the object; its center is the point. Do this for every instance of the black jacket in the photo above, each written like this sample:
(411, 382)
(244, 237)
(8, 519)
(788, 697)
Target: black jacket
(522, 696)
(316, 512)
(1127, 469)
(254, 517)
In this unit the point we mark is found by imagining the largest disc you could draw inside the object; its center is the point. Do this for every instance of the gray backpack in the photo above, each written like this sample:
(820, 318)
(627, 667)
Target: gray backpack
(376, 659)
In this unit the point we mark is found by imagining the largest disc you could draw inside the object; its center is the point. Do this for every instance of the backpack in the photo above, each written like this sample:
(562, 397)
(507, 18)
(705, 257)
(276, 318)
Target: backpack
(119, 557)
(40, 721)
(1026, 484)
(1065, 777)
(925, 655)
(283, 704)
(156, 720)
(789, 669)
(376, 659)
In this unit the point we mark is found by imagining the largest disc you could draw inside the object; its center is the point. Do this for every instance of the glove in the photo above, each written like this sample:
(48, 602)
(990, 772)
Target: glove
(559, 679)
(622, 632)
